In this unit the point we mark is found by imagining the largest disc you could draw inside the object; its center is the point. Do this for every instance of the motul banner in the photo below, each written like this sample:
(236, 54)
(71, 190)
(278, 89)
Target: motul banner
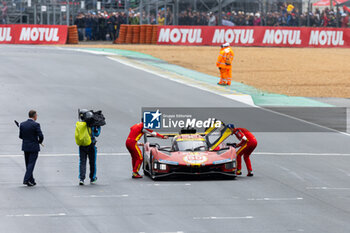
(255, 36)
(32, 34)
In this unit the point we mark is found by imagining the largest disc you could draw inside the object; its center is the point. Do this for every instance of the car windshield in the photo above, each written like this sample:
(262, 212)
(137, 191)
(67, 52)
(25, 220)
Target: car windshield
(191, 145)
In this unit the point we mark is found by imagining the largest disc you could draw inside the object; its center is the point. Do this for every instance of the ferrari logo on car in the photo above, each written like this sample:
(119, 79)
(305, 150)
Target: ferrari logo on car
(195, 158)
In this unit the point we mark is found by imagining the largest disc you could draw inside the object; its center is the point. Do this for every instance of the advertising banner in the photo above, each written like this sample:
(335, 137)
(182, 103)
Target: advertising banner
(33, 34)
(255, 36)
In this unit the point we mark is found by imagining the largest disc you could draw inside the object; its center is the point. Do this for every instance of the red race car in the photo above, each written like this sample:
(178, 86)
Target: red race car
(191, 153)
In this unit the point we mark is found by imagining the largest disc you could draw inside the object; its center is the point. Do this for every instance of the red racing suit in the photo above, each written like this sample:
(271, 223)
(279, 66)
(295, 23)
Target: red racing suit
(247, 145)
(136, 132)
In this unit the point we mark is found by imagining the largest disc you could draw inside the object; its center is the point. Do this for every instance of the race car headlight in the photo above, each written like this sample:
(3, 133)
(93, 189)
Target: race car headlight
(230, 165)
(162, 166)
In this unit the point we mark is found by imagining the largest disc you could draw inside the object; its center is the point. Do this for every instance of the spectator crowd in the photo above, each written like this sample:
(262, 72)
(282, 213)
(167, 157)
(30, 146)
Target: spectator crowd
(105, 26)
(100, 26)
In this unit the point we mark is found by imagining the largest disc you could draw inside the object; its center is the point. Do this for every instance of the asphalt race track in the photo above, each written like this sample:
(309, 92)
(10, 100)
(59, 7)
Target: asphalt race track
(301, 182)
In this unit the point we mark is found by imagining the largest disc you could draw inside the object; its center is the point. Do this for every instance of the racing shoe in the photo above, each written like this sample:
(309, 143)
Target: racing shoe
(250, 173)
(81, 182)
(239, 172)
(136, 175)
(29, 184)
(222, 84)
(93, 181)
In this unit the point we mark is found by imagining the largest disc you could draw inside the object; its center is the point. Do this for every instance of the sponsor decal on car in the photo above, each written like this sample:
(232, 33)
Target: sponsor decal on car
(222, 161)
(195, 158)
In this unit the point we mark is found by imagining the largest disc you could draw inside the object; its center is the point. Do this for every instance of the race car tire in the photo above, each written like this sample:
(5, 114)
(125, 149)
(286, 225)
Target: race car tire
(151, 165)
(144, 165)
(232, 176)
(146, 169)
(151, 173)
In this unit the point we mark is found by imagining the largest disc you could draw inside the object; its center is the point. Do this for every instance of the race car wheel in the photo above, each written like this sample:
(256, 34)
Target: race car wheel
(146, 168)
(151, 173)
(231, 176)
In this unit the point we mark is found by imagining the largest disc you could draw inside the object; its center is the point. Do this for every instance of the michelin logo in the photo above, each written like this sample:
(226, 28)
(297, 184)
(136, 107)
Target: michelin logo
(152, 120)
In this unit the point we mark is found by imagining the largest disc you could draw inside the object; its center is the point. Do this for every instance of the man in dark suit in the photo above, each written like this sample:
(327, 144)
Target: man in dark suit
(30, 133)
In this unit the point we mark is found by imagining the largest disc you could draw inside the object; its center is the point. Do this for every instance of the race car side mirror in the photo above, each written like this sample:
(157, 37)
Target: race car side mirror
(154, 145)
(232, 144)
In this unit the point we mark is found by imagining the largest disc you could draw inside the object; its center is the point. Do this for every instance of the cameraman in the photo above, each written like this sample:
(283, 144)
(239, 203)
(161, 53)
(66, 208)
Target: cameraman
(87, 150)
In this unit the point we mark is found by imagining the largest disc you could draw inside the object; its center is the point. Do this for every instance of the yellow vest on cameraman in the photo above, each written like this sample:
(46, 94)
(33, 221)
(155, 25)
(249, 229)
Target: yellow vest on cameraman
(82, 134)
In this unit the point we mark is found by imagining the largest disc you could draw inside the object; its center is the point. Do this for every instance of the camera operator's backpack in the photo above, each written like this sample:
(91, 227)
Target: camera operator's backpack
(82, 135)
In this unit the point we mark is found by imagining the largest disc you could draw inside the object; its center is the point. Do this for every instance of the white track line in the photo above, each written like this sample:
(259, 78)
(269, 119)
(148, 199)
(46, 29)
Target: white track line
(243, 98)
(101, 196)
(90, 51)
(224, 95)
(36, 215)
(326, 188)
(304, 121)
(276, 199)
(240, 98)
(222, 218)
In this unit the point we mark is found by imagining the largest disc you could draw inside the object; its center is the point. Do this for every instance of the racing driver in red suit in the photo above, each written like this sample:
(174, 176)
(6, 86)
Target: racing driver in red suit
(136, 132)
(247, 145)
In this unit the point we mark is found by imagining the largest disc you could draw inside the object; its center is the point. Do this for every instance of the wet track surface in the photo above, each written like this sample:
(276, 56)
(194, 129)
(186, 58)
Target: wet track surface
(301, 182)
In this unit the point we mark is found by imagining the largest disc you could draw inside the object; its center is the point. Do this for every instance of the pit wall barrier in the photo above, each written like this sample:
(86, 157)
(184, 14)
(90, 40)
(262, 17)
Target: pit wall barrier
(137, 34)
(298, 37)
(33, 34)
